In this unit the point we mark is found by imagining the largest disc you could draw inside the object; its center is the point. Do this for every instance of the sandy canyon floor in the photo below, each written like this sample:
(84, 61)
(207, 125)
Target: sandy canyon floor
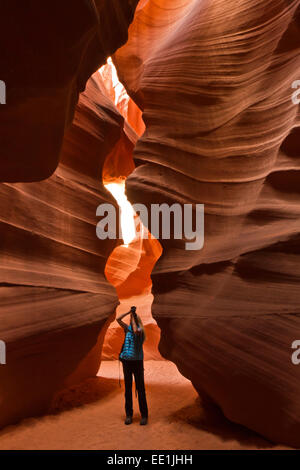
(90, 416)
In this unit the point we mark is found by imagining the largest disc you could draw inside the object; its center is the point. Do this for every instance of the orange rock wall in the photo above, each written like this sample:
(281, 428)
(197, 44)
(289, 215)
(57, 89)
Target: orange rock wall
(214, 79)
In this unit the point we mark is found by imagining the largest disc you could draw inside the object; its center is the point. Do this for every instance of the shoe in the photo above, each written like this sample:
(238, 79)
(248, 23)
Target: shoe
(144, 421)
(128, 420)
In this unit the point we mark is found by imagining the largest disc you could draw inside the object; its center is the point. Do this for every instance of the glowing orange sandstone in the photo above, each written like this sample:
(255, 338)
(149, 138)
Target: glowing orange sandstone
(130, 265)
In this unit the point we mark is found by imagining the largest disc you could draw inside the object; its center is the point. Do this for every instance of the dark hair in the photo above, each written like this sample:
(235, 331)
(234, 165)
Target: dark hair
(133, 308)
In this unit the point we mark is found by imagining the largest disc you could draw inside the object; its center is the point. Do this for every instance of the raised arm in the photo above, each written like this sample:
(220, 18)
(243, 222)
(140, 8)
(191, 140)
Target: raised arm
(121, 323)
(137, 328)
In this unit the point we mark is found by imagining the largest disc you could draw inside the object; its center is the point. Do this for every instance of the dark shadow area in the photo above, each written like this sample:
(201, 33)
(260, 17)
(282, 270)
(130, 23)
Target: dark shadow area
(285, 181)
(208, 417)
(290, 145)
(85, 393)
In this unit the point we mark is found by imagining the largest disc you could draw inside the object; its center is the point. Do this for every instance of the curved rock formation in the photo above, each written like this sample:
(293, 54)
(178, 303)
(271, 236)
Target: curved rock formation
(214, 79)
(48, 52)
(55, 303)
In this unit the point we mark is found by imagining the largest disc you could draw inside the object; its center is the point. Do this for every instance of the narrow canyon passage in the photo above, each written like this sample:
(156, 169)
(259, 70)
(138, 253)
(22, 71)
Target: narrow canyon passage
(130, 264)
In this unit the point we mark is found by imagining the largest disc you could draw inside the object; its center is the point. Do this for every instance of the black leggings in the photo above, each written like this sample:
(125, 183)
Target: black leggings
(137, 369)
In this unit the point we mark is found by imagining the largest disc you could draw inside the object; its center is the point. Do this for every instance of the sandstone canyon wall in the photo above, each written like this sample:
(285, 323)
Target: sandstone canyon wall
(55, 302)
(48, 51)
(214, 80)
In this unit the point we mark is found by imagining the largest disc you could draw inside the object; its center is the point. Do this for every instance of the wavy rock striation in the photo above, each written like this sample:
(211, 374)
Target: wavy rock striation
(55, 303)
(214, 79)
(48, 52)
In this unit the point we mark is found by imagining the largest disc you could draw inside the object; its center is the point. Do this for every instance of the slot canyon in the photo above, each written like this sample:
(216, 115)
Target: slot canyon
(148, 102)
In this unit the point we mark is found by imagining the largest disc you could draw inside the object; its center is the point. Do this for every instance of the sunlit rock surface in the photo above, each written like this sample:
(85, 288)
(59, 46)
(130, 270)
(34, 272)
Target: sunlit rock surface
(130, 264)
(214, 79)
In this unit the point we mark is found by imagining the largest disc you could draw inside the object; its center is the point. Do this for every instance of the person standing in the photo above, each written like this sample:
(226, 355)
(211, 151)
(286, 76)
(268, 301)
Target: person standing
(132, 358)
